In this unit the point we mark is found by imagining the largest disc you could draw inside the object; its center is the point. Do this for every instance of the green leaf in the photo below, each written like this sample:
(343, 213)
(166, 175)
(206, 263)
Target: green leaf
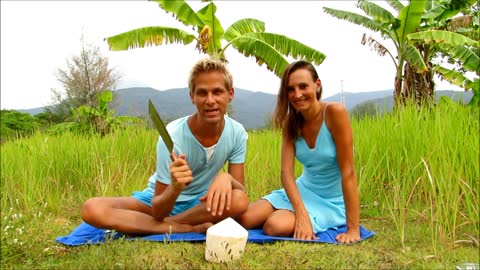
(72, 126)
(452, 76)
(242, 27)
(413, 56)
(290, 47)
(207, 15)
(440, 36)
(271, 48)
(354, 18)
(410, 17)
(475, 87)
(103, 100)
(182, 12)
(469, 59)
(263, 53)
(378, 13)
(397, 5)
(148, 36)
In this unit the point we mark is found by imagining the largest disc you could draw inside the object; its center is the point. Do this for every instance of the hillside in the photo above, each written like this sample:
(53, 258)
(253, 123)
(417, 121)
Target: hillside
(250, 108)
(386, 103)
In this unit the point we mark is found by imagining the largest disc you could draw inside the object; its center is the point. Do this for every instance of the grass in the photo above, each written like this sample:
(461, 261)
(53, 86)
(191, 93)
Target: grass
(418, 179)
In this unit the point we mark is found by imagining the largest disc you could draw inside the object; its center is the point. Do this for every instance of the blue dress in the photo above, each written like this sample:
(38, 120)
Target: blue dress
(320, 185)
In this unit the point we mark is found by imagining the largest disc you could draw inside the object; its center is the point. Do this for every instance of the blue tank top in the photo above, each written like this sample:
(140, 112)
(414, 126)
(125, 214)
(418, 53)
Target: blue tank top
(321, 173)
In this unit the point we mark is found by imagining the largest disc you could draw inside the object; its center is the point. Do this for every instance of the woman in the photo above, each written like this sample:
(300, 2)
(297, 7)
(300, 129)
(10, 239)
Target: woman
(320, 136)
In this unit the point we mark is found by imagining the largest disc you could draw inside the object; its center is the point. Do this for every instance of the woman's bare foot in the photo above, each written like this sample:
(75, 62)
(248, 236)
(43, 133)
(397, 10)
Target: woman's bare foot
(201, 228)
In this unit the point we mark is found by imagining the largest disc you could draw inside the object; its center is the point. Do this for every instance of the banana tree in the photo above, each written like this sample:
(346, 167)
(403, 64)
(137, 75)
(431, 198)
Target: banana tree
(247, 36)
(460, 45)
(461, 50)
(413, 60)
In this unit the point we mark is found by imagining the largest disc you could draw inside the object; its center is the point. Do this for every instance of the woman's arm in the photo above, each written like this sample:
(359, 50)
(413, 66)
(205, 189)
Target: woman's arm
(339, 124)
(303, 227)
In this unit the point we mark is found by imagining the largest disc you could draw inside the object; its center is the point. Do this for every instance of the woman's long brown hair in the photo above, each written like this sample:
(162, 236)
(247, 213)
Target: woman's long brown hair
(285, 116)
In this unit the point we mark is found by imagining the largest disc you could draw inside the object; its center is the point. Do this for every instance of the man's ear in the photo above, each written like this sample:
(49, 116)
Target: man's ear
(191, 96)
(231, 94)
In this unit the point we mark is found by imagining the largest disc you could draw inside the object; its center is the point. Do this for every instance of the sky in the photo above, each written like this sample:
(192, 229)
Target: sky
(37, 38)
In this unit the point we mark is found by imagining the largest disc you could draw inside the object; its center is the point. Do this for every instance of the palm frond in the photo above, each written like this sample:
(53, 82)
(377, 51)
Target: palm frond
(451, 76)
(455, 7)
(440, 36)
(289, 47)
(433, 11)
(379, 14)
(377, 47)
(354, 18)
(410, 17)
(207, 15)
(395, 4)
(413, 56)
(470, 33)
(182, 12)
(469, 59)
(148, 36)
(263, 53)
(242, 27)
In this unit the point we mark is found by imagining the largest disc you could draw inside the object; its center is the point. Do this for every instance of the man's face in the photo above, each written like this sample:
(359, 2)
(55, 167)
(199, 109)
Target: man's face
(211, 96)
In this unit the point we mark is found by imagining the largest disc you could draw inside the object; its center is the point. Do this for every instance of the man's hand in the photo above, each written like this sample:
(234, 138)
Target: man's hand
(180, 173)
(219, 195)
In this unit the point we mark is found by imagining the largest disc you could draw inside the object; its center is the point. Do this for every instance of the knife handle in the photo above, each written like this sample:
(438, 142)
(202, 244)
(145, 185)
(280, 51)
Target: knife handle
(173, 156)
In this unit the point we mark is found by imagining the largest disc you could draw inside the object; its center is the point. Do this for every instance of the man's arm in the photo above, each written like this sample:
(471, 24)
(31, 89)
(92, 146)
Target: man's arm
(166, 195)
(237, 171)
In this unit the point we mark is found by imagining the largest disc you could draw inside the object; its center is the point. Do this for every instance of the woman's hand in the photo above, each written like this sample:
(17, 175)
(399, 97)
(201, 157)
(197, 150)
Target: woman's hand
(351, 236)
(219, 195)
(180, 173)
(303, 227)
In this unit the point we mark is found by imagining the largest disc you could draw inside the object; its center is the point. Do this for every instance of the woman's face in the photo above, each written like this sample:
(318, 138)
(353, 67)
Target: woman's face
(302, 89)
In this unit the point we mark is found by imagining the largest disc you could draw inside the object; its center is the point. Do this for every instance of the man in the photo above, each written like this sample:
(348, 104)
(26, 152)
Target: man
(187, 194)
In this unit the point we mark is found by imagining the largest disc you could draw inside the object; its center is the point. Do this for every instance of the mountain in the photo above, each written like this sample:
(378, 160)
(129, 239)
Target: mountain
(353, 99)
(386, 103)
(249, 108)
(32, 111)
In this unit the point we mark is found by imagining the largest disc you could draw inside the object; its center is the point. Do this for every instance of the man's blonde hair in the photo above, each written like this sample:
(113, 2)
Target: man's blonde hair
(209, 65)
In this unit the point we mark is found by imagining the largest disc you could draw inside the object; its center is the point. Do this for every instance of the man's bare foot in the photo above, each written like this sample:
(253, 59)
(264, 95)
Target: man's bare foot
(201, 228)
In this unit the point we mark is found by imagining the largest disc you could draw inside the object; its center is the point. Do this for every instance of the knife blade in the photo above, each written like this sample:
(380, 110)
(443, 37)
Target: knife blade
(160, 126)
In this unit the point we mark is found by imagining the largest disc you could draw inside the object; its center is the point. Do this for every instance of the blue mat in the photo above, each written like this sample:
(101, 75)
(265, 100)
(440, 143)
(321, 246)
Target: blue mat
(86, 234)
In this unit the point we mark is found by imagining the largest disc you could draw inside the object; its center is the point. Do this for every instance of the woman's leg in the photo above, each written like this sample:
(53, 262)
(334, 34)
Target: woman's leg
(280, 223)
(256, 214)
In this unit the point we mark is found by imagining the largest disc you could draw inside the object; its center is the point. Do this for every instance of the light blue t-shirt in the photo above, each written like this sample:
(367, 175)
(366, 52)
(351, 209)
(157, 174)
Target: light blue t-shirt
(231, 147)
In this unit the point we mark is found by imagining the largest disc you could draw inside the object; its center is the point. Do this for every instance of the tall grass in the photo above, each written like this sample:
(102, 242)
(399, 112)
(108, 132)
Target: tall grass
(262, 164)
(412, 166)
(424, 166)
(57, 169)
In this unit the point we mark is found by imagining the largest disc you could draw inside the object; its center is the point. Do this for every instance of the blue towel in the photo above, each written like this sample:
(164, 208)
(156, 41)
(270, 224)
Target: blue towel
(86, 234)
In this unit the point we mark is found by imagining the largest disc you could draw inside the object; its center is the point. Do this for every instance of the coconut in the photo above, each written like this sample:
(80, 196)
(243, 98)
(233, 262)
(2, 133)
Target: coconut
(226, 241)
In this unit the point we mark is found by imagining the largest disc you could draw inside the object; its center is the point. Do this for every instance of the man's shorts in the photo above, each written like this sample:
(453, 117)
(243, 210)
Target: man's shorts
(179, 207)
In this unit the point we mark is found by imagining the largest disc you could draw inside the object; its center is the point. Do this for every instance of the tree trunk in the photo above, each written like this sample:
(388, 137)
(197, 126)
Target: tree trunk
(417, 87)
(397, 93)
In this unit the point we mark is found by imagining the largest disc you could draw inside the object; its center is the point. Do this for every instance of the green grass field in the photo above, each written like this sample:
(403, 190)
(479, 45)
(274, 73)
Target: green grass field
(418, 176)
